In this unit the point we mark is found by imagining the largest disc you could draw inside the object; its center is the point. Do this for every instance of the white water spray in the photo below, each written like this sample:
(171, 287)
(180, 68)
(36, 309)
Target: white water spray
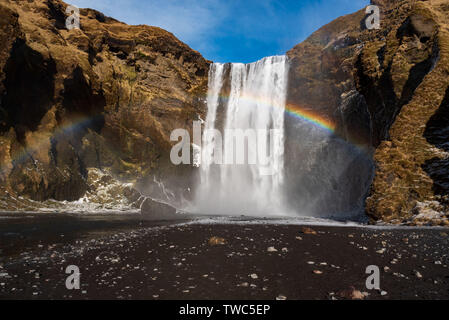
(243, 97)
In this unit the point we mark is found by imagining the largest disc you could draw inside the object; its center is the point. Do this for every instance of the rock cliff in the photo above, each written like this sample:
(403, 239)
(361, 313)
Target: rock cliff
(104, 96)
(386, 89)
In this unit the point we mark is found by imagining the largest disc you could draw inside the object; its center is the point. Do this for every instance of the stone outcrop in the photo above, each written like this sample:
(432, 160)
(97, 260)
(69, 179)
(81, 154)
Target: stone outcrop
(104, 96)
(158, 211)
(386, 89)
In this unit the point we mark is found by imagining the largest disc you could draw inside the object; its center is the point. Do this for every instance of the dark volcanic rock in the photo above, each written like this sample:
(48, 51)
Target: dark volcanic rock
(153, 210)
(329, 175)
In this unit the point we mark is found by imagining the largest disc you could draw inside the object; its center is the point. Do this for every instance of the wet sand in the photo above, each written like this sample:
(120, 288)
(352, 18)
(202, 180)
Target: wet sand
(126, 257)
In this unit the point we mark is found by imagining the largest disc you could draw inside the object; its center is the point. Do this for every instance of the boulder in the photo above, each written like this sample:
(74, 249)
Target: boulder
(158, 211)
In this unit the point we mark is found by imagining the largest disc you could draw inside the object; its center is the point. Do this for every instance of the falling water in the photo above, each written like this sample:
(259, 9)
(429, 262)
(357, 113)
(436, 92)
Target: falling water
(242, 97)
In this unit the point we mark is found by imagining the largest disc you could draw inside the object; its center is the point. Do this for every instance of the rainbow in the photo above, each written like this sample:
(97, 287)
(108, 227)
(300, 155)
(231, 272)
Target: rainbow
(41, 142)
(310, 117)
(293, 110)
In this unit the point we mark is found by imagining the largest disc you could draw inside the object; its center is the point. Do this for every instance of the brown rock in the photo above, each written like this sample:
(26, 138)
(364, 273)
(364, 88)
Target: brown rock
(214, 241)
(306, 230)
(351, 294)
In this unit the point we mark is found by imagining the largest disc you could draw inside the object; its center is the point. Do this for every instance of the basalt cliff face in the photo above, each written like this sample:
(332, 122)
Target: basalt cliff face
(387, 90)
(80, 106)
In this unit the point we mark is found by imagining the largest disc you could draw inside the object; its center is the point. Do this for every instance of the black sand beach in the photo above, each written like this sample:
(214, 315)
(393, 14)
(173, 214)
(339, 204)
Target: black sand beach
(125, 257)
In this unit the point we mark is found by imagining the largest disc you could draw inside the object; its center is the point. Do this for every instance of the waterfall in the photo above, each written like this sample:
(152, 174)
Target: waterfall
(249, 99)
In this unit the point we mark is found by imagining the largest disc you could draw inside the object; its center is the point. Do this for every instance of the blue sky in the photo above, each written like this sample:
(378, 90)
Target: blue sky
(230, 30)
